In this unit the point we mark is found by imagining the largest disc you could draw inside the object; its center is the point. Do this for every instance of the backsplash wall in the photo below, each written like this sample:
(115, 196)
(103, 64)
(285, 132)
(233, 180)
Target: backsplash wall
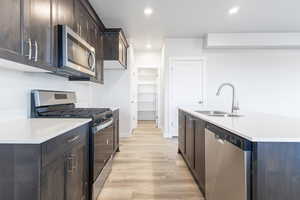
(15, 87)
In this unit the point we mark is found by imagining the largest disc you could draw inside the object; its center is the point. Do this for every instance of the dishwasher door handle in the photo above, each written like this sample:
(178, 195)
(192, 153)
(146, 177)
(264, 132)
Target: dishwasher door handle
(221, 141)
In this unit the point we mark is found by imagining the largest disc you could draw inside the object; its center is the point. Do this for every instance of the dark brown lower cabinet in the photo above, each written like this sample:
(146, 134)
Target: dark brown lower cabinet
(190, 141)
(181, 131)
(200, 153)
(54, 170)
(76, 174)
(116, 130)
(191, 144)
(276, 171)
(53, 179)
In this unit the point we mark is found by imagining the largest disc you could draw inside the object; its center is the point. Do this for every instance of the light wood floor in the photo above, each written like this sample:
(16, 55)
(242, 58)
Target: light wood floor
(149, 168)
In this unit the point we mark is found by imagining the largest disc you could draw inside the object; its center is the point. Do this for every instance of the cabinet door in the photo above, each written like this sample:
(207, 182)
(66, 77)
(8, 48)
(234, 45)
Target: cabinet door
(10, 23)
(99, 58)
(125, 56)
(181, 132)
(81, 20)
(39, 30)
(200, 153)
(53, 180)
(190, 141)
(92, 32)
(116, 133)
(76, 173)
(65, 12)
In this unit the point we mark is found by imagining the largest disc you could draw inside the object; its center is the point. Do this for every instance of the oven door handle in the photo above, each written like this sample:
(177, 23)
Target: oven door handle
(102, 126)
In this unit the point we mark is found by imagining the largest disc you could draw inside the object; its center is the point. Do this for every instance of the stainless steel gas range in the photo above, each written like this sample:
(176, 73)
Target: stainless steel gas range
(61, 104)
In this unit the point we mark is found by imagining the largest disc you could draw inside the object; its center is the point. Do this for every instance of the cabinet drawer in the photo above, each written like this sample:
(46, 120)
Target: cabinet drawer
(60, 144)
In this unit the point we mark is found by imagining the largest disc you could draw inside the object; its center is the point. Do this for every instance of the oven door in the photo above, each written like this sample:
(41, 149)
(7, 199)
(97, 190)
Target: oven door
(103, 147)
(76, 54)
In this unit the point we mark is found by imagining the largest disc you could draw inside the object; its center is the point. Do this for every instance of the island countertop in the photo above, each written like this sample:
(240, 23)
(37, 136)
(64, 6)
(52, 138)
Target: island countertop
(255, 127)
(36, 131)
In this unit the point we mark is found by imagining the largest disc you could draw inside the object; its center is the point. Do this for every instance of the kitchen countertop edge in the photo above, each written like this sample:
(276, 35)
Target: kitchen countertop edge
(237, 132)
(47, 134)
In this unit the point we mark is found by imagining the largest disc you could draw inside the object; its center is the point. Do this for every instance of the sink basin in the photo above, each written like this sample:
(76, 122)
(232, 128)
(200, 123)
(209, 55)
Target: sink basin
(212, 112)
(215, 113)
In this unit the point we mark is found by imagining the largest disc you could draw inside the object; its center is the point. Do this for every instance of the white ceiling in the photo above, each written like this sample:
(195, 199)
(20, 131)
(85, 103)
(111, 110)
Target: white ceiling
(194, 18)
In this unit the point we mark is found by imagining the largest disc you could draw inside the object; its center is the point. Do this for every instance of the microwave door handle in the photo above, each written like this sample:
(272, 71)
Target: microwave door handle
(92, 65)
(94, 61)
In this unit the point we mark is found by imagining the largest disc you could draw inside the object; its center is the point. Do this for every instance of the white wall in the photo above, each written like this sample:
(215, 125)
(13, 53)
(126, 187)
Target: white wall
(176, 48)
(116, 93)
(148, 58)
(15, 88)
(267, 81)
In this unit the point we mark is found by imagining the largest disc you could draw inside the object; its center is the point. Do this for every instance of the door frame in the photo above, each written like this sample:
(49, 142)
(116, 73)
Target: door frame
(172, 60)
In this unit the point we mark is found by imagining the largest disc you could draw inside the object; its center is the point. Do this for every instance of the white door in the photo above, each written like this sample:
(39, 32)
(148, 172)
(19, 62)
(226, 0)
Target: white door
(133, 100)
(186, 88)
(133, 90)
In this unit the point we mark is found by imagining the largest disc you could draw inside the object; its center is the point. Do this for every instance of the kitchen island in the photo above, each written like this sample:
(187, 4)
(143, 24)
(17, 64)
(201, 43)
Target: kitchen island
(274, 161)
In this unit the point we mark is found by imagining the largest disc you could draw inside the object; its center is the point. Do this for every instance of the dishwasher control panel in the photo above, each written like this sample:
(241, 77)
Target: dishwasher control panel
(222, 134)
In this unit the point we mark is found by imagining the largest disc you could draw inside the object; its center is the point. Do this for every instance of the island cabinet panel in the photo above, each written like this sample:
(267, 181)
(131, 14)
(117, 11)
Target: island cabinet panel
(200, 153)
(181, 132)
(276, 171)
(190, 141)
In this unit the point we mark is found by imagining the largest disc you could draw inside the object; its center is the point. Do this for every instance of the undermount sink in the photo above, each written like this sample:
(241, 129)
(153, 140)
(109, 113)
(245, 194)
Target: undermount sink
(215, 113)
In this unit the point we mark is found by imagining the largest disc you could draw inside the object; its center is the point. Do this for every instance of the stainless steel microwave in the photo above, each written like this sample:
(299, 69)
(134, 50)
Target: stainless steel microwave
(76, 56)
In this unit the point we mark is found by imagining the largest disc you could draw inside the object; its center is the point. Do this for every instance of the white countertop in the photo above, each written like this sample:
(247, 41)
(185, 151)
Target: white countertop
(256, 127)
(36, 131)
(114, 108)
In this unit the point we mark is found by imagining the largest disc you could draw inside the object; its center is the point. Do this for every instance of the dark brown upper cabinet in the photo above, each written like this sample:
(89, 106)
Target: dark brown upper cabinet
(65, 12)
(82, 20)
(11, 30)
(26, 32)
(38, 31)
(115, 49)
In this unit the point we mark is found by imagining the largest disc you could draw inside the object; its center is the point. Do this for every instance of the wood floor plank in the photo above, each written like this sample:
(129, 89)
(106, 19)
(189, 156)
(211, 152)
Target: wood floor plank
(149, 168)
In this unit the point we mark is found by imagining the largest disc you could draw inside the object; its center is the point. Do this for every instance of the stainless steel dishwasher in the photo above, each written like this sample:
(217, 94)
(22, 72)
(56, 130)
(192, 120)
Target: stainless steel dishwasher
(227, 164)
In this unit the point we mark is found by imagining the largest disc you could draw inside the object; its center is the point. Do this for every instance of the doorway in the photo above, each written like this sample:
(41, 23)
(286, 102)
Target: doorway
(186, 87)
(148, 91)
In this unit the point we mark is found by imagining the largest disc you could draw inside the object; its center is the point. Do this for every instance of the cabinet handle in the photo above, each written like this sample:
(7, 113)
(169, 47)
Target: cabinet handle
(70, 164)
(29, 49)
(36, 51)
(107, 142)
(73, 139)
(80, 29)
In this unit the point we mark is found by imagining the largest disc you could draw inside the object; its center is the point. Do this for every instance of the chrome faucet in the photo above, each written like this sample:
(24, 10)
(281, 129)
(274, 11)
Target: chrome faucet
(235, 106)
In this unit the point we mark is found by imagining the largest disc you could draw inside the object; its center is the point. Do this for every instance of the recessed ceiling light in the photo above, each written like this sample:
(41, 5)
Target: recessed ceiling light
(234, 10)
(148, 11)
(148, 46)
